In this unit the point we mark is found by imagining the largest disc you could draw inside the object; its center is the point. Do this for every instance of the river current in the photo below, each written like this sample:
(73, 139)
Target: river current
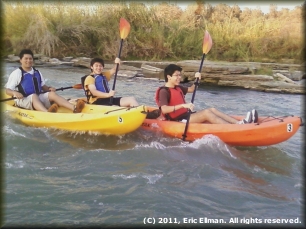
(56, 178)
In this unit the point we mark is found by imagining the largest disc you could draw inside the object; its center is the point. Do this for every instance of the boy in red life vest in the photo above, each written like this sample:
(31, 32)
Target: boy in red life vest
(28, 86)
(97, 88)
(171, 100)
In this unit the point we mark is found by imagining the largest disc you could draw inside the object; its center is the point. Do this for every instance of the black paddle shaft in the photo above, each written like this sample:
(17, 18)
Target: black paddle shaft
(192, 99)
(62, 88)
(58, 89)
(117, 68)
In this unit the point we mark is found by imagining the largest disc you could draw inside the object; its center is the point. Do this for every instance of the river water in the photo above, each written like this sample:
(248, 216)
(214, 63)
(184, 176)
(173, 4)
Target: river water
(55, 178)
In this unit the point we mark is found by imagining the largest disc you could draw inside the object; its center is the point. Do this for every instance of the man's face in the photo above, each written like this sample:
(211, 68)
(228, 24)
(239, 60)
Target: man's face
(175, 79)
(97, 68)
(26, 61)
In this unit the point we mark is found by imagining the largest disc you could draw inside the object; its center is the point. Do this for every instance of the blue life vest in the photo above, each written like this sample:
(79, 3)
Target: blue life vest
(100, 83)
(29, 83)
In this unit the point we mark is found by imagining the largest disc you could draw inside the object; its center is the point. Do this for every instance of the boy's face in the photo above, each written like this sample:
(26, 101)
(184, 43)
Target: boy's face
(175, 79)
(97, 68)
(26, 61)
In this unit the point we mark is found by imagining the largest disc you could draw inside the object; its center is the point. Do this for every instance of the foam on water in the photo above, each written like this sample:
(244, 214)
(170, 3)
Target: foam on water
(152, 179)
(15, 165)
(49, 168)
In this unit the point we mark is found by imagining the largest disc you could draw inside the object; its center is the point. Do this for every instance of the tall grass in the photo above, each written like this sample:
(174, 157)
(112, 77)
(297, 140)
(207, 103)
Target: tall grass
(159, 32)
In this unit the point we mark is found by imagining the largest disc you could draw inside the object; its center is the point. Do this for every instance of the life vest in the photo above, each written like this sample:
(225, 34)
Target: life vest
(176, 97)
(100, 83)
(29, 83)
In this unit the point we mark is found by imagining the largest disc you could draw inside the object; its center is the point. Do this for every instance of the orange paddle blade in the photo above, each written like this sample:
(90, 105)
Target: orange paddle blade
(207, 42)
(77, 86)
(124, 27)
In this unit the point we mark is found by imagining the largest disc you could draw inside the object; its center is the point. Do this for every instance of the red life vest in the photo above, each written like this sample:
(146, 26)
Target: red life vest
(176, 97)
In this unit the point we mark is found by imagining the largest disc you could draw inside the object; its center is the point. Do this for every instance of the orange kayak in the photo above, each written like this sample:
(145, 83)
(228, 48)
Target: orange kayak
(267, 131)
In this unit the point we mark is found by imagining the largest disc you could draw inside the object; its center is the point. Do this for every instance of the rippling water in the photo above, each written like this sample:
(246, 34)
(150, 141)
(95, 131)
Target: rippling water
(70, 179)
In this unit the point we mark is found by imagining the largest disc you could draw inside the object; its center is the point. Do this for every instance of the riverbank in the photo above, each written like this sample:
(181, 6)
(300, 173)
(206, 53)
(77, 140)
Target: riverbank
(267, 77)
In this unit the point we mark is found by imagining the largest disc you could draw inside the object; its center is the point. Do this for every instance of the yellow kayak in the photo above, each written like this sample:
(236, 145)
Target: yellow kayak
(110, 120)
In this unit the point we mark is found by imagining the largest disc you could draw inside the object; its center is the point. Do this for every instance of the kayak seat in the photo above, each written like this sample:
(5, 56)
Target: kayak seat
(153, 114)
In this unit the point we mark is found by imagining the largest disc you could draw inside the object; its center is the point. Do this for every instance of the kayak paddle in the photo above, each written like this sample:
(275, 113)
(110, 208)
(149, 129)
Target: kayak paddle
(207, 43)
(77, 86)
(124, 27)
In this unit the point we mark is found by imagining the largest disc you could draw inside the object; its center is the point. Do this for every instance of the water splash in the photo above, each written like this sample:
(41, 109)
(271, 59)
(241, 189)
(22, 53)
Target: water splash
(156, 145)
(209, 140)
(11, 132)
(153, 178)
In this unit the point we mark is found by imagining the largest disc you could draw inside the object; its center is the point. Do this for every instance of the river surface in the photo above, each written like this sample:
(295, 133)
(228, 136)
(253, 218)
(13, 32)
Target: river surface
(56, 178)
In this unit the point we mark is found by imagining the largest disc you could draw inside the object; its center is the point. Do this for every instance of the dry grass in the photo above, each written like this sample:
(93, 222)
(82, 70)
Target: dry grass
(162, 31)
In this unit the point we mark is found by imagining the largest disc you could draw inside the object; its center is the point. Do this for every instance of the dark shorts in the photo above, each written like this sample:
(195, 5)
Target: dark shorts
(181, 117)
(106, 101)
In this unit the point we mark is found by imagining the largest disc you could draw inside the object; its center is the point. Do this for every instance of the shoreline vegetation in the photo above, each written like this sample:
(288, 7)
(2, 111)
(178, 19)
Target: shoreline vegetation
(158, 32)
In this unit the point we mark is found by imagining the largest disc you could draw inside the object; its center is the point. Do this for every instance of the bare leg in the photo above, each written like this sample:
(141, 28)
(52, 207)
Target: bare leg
(128, 102)
(53, 97)
(207, 115)
(37, 104)
(223, 116)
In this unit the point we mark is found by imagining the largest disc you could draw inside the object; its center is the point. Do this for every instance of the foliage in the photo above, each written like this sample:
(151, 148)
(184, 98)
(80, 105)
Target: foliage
(158, 32)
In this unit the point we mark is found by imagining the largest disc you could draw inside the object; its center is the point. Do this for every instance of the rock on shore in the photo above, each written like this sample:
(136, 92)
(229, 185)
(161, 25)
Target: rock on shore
(286, 78)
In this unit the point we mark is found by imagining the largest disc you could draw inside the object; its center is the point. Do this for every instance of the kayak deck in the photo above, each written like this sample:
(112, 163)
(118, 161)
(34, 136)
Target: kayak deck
(267, 131)
(110, 120)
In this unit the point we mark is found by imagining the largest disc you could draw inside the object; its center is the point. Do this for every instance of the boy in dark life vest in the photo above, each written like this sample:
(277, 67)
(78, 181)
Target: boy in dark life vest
(28, 86)
(171, 100)
(97, 88)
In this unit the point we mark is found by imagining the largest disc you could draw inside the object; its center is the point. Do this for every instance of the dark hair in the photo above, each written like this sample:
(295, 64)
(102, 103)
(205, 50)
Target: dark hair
(25, 51)
(96, 60)
(170, 69)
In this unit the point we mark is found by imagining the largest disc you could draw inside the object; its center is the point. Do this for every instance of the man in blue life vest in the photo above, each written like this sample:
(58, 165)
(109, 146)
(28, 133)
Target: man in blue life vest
(97, 89)
(28, 86)
(171, 100)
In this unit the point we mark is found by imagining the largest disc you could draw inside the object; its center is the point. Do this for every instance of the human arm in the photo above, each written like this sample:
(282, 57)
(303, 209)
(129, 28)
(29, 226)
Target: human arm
(89, 84)
(112, 71)
(168, 109)
(46, 88)
(191, 88)
(100, 94)
(12, 83)
(164, 105)
(13, 93)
